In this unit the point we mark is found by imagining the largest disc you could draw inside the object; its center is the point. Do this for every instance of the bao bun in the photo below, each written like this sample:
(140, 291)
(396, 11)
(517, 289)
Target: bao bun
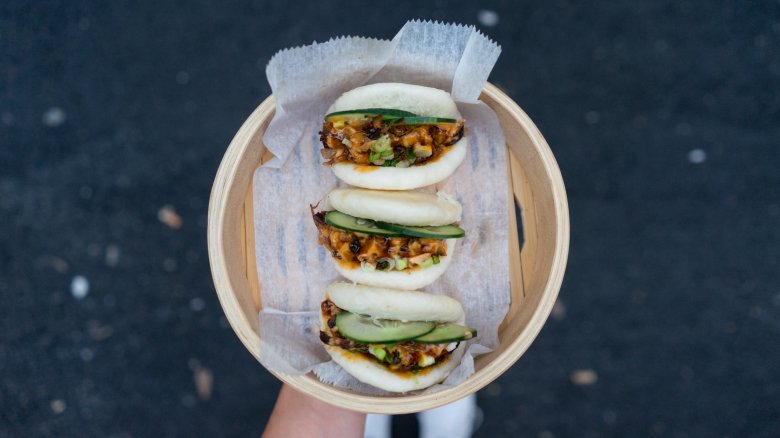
(409, 208)
(417, 209)
(405, 305)
(375, 374)
(423, 101)
(399, 305)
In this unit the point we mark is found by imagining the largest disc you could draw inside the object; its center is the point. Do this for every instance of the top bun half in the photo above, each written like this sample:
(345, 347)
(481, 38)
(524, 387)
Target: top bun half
(423, 101)
(409, 208)
(403, 305)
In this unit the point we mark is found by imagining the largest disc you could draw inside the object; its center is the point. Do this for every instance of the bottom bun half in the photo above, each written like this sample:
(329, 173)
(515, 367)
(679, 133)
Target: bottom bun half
(375, 374)
(406, 280)
(407, 178)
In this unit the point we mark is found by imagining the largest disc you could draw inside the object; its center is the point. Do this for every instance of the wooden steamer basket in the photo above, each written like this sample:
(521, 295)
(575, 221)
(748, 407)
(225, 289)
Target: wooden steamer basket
(536, 270)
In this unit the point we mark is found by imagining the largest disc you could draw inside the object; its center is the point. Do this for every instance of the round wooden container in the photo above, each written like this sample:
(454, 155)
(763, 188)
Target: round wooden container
(536, 265)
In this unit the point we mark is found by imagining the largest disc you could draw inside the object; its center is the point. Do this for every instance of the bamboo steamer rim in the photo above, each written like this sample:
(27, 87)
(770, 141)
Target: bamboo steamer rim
(234, 177)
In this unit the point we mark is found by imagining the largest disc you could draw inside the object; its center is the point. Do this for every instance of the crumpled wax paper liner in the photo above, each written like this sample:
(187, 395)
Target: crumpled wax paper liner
(293, 270)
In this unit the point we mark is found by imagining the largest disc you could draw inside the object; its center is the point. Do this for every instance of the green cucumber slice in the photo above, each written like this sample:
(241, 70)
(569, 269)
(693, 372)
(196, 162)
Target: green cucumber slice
(447, 333)
(425, 120)
(363, 329)
(439, 232)
(351, 223)
(386, 113)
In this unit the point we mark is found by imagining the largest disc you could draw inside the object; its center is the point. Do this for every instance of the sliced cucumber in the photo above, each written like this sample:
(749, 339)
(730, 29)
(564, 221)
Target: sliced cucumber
(440, 232)
(351, 223)
(425, 120)
(363, 329)
(447, 333)
(386, 113)
(384, 229)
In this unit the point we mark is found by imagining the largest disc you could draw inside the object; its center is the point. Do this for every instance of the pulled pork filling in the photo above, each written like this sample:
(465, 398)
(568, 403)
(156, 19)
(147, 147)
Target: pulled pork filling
(372, 141)
(402, 356)
(384, 253)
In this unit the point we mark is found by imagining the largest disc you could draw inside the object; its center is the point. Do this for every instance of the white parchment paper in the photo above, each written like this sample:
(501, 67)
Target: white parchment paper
(294, 270)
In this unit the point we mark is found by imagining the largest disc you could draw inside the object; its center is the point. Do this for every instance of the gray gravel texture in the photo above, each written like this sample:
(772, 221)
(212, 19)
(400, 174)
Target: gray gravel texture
(664, 117)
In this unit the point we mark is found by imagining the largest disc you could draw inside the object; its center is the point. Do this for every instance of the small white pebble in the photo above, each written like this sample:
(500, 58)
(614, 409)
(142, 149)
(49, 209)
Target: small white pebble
(86, 354)
(697, 156)
(79, 287)
(54, 117)
(197, 304)
(58, 406)
(204, 382)
(488, 18)
(167, 215)
(592, 117)
(584, 377)
(182, 77)
(112, 255)
(558, 310)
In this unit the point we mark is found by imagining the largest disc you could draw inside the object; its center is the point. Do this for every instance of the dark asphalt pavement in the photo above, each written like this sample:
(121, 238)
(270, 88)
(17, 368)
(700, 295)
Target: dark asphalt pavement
(664, 117)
